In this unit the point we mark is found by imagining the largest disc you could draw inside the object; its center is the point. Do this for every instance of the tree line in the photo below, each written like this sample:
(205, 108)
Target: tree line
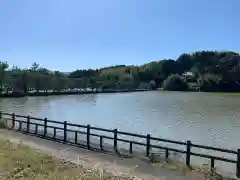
(211, 71)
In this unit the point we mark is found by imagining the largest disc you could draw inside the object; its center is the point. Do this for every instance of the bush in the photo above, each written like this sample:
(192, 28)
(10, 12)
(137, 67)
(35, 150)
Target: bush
(174, 82)
(229, 86)
(209, 82)
(215, 83)
(152, 85)
(143, 85)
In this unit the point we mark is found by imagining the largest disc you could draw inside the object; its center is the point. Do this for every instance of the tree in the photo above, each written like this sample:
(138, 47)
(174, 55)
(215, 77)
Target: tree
(43, 71)
(174, 82)
(92, 83)
(209, 82)
(185, 62)
(21, 78)
(58, 80)
(34, 67)
(168, 67)
(205, 65)
(3, 67)
(38, 81)
(83, 73)
(81, 83)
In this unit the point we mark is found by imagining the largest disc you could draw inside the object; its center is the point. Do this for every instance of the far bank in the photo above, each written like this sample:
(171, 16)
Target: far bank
(52, 93)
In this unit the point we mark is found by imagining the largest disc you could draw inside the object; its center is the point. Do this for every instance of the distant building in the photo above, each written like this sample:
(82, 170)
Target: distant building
(191, 81)
(188, 73)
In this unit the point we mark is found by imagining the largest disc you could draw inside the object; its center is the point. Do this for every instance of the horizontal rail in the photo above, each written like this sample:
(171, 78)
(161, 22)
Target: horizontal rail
(74, 131)
(20, 116)
(55, 122)
(102, 129)
(170, 149)
(31, 117)
(213, 157)
(76, 125)
(214, 148)
(132, 134)
(4, 113)
(20, 121)
(97, 135)
(35, 118)
(133, 142)
(168, 141)
(55, 127)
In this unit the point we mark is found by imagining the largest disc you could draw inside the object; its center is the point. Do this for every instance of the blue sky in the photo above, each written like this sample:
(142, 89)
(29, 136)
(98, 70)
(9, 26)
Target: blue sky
(75, 34)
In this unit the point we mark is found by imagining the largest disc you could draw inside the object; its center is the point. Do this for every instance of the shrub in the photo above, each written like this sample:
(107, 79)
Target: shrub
(143, 85)
(174, 82)
(209, 82)
(152, 85)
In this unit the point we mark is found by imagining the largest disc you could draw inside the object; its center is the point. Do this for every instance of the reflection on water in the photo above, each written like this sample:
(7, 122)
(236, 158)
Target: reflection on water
(204, 118)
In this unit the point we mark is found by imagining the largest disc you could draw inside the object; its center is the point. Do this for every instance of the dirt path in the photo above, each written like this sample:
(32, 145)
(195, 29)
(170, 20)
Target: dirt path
(109, 162)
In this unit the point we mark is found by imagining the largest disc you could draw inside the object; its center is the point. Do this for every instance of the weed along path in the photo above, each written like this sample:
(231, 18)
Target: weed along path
(109, 162)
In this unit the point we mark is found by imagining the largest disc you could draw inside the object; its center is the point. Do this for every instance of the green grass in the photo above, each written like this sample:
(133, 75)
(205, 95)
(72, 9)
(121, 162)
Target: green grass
(2, 124)
(19, 162)
(202, 172)
(228, 94)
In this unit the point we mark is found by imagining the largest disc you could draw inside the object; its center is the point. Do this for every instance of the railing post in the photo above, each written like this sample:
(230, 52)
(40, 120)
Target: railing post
(45, 127)
(76, 137)
(188, 153)
(212, 164)
(28, 124)
(166, 155)
(238, 164)
(13, 120)
(36, 129)
(88, 136)
(20, 126)
(65, 131)
(54, 133)
(148, 145)
(115, 139)
(130, 148)
(101, 142)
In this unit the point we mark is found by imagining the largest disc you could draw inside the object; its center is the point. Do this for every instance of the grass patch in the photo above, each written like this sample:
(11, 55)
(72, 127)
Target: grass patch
(2, 124)
(20, 162)
(202, 172)
(227, 94)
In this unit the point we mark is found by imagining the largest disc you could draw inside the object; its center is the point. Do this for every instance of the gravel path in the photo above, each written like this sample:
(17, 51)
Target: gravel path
(109, 162)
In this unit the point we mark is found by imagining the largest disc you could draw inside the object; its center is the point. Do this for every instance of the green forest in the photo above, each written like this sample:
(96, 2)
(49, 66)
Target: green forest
(212, 71)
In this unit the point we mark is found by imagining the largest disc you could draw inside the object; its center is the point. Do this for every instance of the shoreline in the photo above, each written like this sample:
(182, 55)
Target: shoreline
(135, 165)
(157, 158)
(77, 92)
(19, 95)
(110, 162)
